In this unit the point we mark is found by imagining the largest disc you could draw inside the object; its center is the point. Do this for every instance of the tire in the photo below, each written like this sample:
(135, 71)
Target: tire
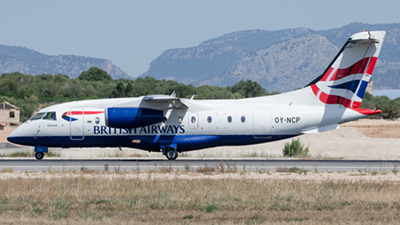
(39, 155)
(171, 154)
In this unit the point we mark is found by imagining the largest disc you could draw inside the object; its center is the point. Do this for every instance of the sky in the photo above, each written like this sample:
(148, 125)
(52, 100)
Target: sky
(132, 33)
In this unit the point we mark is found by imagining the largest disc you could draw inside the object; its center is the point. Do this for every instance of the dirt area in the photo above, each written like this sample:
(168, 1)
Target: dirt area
(376, 128)
(195, 198)
(265, 176)
(4, 134)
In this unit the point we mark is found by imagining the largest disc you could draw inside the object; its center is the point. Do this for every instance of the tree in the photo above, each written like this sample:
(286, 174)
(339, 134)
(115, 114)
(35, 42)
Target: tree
(390, 108)
(119, 90)
(248, 89)
(95, 74)
(129, 89)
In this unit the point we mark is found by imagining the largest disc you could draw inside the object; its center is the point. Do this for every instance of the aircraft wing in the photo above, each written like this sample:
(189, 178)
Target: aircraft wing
(159, 98)
(158, 102)
(163, 102)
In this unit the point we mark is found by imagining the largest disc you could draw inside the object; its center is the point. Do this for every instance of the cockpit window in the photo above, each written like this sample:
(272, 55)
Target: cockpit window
(38, 116)
(50, 116)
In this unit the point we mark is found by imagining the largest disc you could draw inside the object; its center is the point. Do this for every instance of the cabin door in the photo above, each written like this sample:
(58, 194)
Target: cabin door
(262, 128)
(76, 121)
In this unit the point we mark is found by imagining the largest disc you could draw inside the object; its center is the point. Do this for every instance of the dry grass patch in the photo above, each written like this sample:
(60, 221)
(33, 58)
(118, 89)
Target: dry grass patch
(118, 199)
(206, 169)
(50, 153)
(7, 170)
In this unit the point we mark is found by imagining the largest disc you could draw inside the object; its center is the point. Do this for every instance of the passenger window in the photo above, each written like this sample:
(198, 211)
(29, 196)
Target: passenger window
(243, 119)
(193, 119)
(209, 119)
(50, 116)
(229, 119)
(38, 116)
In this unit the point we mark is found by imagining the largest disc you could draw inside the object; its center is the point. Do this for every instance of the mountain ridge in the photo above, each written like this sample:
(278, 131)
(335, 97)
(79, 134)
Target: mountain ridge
(28, 61)
(215, 61)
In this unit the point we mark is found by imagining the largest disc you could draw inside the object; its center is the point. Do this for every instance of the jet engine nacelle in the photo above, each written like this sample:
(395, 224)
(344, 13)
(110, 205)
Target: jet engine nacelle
(130, 117)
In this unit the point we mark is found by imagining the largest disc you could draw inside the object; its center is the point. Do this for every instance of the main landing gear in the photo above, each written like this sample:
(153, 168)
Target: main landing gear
(39, 155)
(170, 153)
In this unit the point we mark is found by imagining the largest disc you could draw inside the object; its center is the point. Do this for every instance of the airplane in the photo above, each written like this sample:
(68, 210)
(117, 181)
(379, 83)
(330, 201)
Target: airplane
(171, 125)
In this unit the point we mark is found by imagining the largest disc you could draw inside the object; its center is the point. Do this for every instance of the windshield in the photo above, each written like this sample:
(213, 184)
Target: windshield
(50, 116)
(38, 116)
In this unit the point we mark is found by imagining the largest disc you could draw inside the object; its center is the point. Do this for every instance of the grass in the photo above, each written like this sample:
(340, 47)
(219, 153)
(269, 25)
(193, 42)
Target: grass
(291, 170)
(29, 154)
(123, 154)
(7, 170)
(206, 169)
(118, 200)
(130, 153)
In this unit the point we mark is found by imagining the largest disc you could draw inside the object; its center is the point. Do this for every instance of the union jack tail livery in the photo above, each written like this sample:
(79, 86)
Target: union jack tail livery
(345, 80)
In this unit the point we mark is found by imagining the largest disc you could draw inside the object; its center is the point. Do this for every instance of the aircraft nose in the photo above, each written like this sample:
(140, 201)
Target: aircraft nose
(16, 137)
(12, 136)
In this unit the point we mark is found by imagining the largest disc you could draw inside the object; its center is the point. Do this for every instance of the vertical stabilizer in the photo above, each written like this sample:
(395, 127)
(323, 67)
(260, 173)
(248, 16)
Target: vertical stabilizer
(345, 80)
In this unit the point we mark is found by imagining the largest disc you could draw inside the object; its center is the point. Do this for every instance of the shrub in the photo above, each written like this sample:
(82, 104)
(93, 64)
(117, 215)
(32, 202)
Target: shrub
(206, 169)
(189, 216)
(210, 208)
(294, 149)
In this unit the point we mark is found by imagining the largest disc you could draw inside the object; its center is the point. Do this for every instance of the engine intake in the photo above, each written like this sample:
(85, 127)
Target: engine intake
(130, 117)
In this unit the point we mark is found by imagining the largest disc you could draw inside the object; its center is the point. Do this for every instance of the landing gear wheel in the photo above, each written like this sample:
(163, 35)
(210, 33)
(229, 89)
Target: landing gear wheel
(171, 154)
(39, 155)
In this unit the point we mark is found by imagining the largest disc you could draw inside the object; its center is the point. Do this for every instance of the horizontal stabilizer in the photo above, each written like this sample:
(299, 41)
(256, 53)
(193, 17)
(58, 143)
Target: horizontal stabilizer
(364, 41)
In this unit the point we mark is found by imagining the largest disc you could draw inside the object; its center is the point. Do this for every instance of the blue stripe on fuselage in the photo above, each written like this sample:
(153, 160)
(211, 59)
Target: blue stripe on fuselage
(183, 142)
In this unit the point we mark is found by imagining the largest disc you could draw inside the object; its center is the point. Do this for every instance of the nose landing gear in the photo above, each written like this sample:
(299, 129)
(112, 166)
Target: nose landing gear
(39, 152)
(39, 155)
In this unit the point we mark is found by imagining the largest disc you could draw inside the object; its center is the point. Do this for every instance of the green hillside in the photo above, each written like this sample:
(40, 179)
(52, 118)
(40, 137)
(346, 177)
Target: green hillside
(29, 92)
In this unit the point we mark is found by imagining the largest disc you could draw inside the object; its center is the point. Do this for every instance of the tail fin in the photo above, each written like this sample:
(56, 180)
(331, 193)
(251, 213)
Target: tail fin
(345, 80)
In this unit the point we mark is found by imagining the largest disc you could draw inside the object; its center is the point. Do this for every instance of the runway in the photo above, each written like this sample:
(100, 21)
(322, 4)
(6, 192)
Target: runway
(127, 165)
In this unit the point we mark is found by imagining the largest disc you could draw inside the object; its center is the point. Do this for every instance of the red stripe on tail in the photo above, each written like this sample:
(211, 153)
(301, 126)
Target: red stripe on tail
(334, 99)
(356, 68)
(371, 65)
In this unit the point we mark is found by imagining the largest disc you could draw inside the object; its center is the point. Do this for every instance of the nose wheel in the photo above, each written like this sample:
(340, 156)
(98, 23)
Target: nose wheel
(171, 154)
(39, 155)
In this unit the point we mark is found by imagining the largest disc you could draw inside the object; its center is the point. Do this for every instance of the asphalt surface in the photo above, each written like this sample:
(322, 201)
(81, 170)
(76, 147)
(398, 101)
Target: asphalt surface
(29, 164)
